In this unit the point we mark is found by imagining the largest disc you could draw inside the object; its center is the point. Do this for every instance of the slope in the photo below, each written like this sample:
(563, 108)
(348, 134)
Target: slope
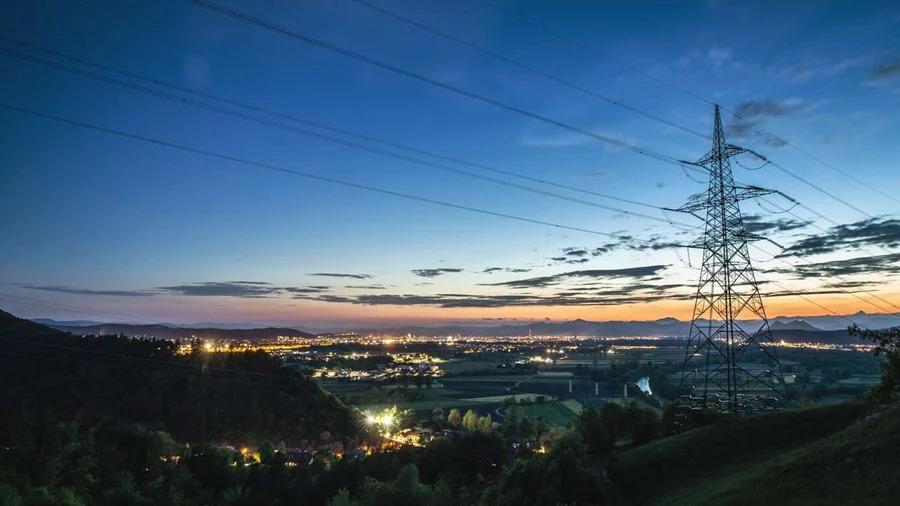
(221, 397)
(843, 454)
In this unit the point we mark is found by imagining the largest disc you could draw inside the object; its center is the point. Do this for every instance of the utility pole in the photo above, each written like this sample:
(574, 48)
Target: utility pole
(727, 296)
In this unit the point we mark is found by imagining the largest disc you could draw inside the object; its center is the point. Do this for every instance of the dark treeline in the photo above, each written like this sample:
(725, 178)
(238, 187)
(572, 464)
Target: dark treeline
(227, 398)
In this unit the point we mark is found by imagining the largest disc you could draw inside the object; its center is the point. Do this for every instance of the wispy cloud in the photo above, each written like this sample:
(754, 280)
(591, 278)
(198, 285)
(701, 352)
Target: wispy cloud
(752, 115)
(433, 273)
(366, 287)
(756, 224)
(817, 68)
(491, 270)
(649, 271)
(241, 289)
(87, 291)
(341, 275)
(875, 265)
(886, 70)
(869, 232)
(637, 294)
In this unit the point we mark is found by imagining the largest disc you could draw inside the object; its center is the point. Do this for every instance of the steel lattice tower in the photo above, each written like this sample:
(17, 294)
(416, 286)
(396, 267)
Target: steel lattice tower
(717, 369)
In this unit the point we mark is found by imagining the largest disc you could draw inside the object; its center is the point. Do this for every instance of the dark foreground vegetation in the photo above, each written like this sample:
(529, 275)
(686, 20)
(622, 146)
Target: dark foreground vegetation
(117, 421)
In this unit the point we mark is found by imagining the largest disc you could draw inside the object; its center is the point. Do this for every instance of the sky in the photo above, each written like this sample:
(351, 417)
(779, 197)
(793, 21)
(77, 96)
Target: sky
(99, 226)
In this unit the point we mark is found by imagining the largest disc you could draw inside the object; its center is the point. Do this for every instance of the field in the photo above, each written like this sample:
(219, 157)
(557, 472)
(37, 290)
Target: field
(475, 381)
(556, 413)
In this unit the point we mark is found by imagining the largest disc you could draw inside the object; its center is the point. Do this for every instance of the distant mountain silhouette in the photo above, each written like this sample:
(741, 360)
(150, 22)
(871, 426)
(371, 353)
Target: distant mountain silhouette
(171, 332)
(797, 324)
(827, 328)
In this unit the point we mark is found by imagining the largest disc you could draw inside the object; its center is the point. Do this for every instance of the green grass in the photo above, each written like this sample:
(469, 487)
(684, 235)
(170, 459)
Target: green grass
(554, 413)
(640, 403)
(840, 454)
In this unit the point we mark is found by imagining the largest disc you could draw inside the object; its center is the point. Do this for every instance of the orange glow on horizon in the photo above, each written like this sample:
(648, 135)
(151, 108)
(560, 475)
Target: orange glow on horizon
(343, 314)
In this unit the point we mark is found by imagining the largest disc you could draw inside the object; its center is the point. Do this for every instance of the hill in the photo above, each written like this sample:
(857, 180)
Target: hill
(171, 332)
(798, 324)
(222, 397)
(842, 454)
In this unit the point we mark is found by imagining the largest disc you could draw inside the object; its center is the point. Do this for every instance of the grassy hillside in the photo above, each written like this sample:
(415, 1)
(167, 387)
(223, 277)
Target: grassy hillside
(842, 454)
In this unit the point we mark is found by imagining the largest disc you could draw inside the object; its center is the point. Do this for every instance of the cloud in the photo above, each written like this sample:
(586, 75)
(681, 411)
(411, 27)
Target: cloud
(593, 274)
(638, 293)
(433, 273)
(887, 70)
(86, 291)
(241, 289)
(491, 270)
(869, 232)
(341, 275)
(311, 289)
(223, 289)
(755, 224)
(878, 265)
(761, 108)
(752, 115)
(810, 69)
(366, 287)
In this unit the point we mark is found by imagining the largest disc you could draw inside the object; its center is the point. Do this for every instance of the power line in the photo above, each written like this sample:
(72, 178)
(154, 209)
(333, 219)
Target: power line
(241, 16)
(807, 299)
(528, 68)
(568, 40)
(73, 309)
(308, 175)
(323, 126)
(797, 268)
(839, 171)
(819, 188)
(344, 142)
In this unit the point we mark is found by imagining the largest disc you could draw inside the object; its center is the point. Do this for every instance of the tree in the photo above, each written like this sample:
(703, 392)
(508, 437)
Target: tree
(563, 476)
(342, 498)
(454, 418)
(642, 424)
(592, 430)
(486, 424)
(470, 421)
(887, 343)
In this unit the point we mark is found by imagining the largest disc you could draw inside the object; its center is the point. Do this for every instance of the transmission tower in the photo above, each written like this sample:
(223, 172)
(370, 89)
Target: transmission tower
(730, 363)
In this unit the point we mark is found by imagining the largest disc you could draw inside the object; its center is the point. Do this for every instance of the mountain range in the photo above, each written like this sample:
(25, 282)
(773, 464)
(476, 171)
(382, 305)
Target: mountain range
(814, 328)
(173, 332)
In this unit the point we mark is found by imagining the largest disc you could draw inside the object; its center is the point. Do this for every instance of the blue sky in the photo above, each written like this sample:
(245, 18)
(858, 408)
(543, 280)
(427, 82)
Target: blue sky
(86, 212)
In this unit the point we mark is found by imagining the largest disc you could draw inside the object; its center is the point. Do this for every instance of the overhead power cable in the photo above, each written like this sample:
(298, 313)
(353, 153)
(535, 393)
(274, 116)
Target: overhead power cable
(573, 42)
(309, 175)
(320, 136)
(323, 126)
(349, 53)
(811, 301)
(74, 309)
(526, 67)
(664, 82)
(797, 268)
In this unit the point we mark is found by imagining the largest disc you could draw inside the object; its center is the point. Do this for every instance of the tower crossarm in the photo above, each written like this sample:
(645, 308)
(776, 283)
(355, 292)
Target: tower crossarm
(752, 192)
(724, 152)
